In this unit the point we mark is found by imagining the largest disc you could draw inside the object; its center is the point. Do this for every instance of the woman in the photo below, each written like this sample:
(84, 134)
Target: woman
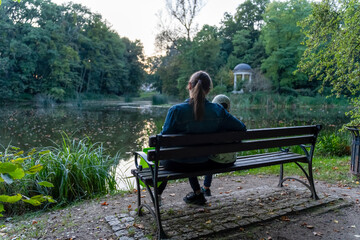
(197, 115)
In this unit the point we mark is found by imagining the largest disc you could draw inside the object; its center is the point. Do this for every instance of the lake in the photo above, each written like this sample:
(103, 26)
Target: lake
(125, 127)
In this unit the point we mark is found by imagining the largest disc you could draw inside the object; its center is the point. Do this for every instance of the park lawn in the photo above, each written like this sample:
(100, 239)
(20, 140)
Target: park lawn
(329, 169)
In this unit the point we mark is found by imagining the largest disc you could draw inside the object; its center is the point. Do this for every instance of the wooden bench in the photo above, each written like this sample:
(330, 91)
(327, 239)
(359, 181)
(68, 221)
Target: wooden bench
(176, 146)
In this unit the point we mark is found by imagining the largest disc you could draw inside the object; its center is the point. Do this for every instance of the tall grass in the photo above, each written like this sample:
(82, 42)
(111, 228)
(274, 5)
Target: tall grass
(78, 170)
(268, 99)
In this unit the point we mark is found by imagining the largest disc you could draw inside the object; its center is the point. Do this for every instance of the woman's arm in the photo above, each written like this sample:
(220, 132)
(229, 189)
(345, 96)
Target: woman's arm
(169, 124)
(232, 123)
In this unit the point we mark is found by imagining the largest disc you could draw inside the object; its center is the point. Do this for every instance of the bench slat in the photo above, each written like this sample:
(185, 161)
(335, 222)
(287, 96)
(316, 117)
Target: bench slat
(171, 140)
(197, 151)
(254, 161)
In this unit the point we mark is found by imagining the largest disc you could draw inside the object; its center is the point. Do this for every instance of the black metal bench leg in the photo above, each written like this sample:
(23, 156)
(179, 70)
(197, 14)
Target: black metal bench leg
(161, 233)
(281, 176)
(312, 184)
(139, 212)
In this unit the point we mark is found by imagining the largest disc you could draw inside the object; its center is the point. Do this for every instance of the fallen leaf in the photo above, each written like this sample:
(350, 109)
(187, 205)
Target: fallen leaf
(285, 218)
(140, 226)
(317, 234)
(104, 204)
(208, 222)
(357, 182)
(129, 206)
(242, 229)
(34, 222)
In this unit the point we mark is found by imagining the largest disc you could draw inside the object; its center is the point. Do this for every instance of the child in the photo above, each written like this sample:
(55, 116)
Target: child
(224, 101)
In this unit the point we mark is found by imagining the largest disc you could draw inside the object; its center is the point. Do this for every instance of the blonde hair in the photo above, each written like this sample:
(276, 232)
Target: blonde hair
(200, 84)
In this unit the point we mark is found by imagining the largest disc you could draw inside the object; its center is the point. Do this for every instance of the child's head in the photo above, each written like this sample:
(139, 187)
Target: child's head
(223, 100)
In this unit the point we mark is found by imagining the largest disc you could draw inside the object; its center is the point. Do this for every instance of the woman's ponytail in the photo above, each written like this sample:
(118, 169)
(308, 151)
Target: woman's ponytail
(200, 83)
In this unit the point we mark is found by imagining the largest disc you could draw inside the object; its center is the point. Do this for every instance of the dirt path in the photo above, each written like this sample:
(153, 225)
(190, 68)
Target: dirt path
(87, 220)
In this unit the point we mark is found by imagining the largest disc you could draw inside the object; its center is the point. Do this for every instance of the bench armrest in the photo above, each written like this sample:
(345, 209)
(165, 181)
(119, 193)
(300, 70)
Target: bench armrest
(143, 156)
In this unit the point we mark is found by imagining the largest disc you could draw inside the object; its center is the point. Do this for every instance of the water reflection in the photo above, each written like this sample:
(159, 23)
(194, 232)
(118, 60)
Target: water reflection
(124, 127)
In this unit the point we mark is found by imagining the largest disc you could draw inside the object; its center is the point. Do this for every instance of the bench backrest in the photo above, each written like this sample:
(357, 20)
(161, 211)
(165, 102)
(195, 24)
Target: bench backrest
(173, 146)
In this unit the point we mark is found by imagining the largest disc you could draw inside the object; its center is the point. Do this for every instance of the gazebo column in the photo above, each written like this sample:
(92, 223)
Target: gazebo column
(235, 80)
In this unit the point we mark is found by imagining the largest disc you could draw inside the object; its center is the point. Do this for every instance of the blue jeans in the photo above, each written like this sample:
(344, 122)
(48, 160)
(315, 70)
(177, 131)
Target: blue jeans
(185, 167)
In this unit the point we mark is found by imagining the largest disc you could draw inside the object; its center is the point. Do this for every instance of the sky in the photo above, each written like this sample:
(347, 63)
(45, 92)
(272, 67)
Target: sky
(137, 19)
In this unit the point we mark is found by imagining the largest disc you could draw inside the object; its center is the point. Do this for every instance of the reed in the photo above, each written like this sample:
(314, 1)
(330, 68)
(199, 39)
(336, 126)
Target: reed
(78, 170)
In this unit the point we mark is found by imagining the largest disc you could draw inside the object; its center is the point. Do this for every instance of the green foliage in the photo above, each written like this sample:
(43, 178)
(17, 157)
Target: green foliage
(80, 55)
(333, 145)
(159, 99)
(333, 46)
(282, 37)
(240, 34)
(330, 169)
(78, 170)
(15, 171)
(273, 100)
(219, 90)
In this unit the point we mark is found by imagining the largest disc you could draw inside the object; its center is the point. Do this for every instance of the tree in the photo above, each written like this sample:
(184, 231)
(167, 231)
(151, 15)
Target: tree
(184, 11)
(333, 49)
(282, 39)
(240, 34)
(61, 51)
(202, 53)
(13, 0)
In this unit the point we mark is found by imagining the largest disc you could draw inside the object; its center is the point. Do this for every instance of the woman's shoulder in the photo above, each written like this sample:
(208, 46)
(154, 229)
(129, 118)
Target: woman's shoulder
(181, 105)
(214, 106)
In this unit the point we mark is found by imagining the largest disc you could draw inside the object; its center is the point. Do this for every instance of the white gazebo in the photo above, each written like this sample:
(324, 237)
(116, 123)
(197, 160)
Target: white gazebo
(244, 70)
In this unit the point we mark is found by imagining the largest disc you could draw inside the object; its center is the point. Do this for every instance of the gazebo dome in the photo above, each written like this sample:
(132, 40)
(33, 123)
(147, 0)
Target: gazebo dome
(242, 67)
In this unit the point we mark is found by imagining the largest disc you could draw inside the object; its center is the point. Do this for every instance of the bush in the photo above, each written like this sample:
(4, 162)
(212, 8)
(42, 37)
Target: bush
(333, 145)
(219, 90)
(288, 91)
(17, 181)
(159, 99)
(127, 99)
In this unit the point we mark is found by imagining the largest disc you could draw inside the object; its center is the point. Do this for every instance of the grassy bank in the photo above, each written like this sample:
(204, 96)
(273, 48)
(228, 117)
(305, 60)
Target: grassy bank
(334, 170)
(77, 169)
(80, 169)
(272, 100)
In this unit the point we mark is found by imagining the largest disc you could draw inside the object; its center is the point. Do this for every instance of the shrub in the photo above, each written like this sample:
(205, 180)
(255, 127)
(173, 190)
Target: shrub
(127, 98)
(17, 179)
(159, 99)
(333, 145)
(219, 90)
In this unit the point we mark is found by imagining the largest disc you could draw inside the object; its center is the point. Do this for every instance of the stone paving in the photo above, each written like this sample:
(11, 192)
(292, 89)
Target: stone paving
(224, 212)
